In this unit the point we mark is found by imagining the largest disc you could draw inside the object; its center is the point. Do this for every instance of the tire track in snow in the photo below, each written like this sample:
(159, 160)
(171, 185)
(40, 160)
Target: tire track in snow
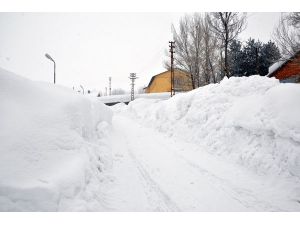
(155, 195)
(168, 202)
(241, 195)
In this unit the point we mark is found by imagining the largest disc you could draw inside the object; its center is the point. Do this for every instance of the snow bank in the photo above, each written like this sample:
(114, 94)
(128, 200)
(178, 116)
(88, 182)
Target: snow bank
(51, 146)
(253, 121)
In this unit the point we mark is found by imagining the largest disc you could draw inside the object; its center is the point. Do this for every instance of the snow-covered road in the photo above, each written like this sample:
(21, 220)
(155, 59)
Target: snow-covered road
(232, 146)
(153, 172)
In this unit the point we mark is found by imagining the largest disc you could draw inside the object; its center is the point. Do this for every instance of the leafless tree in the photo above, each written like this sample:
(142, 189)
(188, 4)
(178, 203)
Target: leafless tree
(287, 34)
(184, 58)
(227, 26)
(196, 49)
(210, 57)
(196, 45)
(294, 19)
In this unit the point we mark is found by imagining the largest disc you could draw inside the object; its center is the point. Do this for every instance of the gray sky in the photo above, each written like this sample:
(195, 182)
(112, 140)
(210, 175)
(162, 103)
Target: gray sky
(90, 47)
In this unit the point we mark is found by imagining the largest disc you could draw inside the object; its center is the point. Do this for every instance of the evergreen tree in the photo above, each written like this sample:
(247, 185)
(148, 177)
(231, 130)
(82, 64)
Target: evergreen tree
(251, 57)
(254, 57)
(269, 54)
(235, 58)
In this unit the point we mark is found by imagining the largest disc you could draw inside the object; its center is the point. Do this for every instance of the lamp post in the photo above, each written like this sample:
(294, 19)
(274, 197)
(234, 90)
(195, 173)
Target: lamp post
(49, 57)
(82, 89)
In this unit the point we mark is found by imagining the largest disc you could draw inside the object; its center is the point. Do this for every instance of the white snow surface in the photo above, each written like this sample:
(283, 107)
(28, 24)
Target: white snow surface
(232, 146)
(52, 147)
(253, 121)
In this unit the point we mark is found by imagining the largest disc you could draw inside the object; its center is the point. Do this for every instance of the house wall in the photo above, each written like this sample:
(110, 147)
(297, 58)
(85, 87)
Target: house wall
(162, 82)
(290, 69)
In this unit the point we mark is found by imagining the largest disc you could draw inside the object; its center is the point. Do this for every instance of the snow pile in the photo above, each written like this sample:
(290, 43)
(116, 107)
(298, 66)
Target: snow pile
(51, 146)
(253, 121)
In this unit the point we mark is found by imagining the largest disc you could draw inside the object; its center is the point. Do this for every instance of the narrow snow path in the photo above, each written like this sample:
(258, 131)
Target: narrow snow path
(156, 173)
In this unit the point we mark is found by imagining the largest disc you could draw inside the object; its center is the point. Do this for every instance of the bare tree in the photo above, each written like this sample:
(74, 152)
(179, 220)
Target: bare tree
(294, 19)
(196, 45)
(227, 26)
(210, 53)
(196, 49)
(183, 47)
(287, 34)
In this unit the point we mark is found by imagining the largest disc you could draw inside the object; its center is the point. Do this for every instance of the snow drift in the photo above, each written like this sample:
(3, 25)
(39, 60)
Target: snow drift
(253, 121)
(51, 145)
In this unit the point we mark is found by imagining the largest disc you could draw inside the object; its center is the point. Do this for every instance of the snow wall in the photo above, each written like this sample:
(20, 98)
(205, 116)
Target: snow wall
(52, 150)
(253, 121)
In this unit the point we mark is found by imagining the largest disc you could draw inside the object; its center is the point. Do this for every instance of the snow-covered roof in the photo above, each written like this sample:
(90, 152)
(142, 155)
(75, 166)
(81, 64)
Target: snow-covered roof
(275, 66)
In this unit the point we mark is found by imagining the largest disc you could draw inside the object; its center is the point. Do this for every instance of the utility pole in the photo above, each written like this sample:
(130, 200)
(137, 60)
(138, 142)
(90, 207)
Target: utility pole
(105, 91)
(172, 46)
(109, 85)
(132, 77)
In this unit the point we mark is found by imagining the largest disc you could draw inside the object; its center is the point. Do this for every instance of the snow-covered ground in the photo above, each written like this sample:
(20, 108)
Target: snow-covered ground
(228, 146)
(252, 121)
(233, 146)
(154, 172)
(52, 147)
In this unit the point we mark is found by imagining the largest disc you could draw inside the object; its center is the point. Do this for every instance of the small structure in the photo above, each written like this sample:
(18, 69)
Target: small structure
(287, 71)
(162, 82)
(132, 77)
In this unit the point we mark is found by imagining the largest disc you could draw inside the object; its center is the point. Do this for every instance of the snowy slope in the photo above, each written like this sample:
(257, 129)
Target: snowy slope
(52, 147)
(251, 121)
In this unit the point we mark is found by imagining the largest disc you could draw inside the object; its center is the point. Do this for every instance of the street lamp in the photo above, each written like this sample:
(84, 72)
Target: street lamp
(82, 89)
(49, 57)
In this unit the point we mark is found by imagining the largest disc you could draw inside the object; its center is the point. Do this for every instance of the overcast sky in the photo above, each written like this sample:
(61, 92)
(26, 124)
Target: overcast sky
(90, 47)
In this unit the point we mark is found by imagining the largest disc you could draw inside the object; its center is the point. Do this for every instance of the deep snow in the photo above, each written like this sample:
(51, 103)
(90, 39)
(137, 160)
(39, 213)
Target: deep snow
(232, 146)
(237, 143)
(253, 121)
(154, 172)
(51, 146)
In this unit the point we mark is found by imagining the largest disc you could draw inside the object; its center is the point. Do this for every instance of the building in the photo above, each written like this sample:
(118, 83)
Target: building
(287, 71)
(162, 82)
